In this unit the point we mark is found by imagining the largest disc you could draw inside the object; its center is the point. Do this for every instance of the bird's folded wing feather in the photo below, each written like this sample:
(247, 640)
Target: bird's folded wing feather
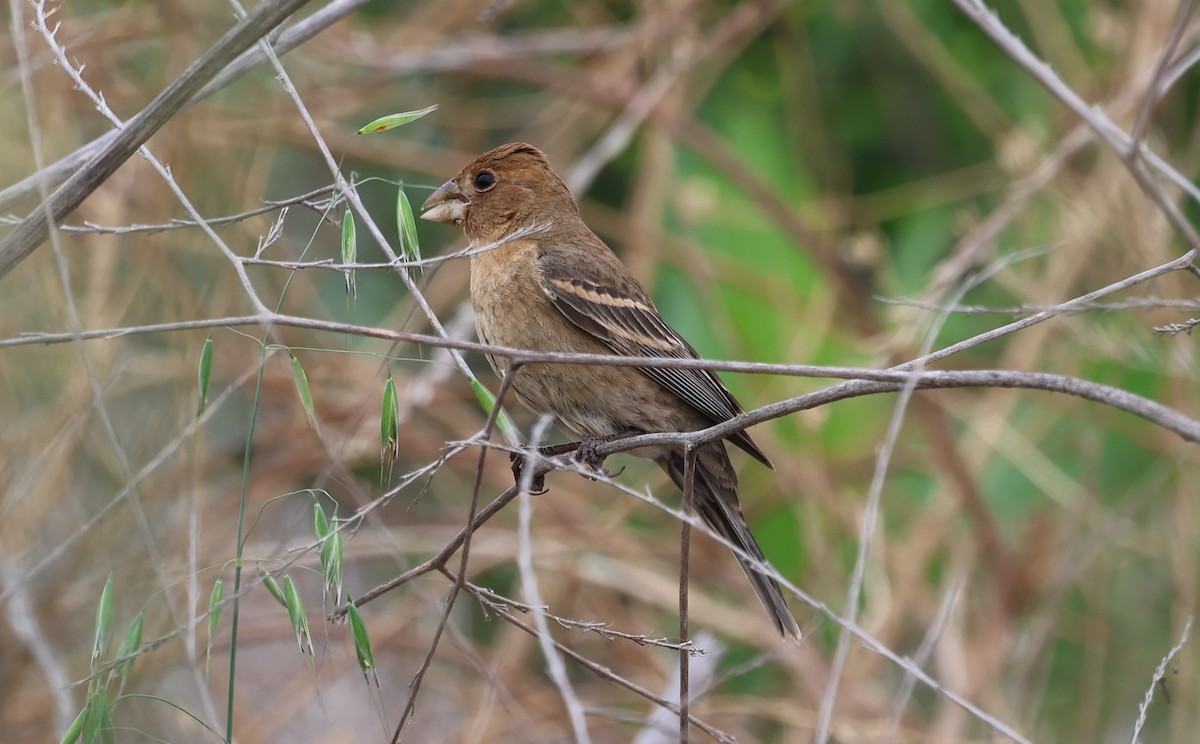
(625, 320)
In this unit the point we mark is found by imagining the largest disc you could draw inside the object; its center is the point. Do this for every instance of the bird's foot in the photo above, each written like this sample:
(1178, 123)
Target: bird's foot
(537, 480)
(587, 455)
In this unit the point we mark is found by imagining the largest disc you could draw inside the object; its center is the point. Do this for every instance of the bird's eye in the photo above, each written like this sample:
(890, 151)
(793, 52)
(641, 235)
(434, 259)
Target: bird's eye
(485, 180)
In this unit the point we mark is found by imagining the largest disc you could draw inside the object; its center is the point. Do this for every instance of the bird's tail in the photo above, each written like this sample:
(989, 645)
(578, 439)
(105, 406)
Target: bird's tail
(715, 499)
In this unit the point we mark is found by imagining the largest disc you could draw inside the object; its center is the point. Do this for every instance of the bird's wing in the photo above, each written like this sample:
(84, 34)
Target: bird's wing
(626, 321)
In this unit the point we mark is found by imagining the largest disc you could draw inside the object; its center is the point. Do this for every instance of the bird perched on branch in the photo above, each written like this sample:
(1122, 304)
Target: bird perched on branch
(552, 285)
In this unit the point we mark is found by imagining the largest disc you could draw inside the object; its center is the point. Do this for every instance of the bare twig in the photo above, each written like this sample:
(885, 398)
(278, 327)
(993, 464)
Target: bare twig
(658, 728)
(20, 612)
(598, 669)
(1135, 303)
(875, 492)
(133, 134)
(924, 651)
(293, 36)
(461, 577)
(155, 118)
(533, 595)
(307, 200)
(1132, 153)
(1179, 264)
(685, 549)
(1172, 329)
(1159, 673)
(866, 534)
(857, 631)
(865, 381)
(1182, 16)
(604, 630)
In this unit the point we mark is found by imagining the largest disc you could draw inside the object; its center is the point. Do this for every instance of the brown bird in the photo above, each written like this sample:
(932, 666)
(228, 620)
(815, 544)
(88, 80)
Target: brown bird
(559, 288)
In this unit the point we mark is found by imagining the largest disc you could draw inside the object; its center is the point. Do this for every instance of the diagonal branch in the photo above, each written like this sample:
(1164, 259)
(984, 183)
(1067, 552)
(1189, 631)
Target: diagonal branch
(34, 229)
(294, 36)
(1182, 16)
(1131, 151)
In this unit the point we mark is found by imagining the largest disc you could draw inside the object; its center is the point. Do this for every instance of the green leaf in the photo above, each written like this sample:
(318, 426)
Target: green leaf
(349, 251)
(205, 372)
(98, 723)
(214, 616)
(320, 522)
(75, 729)
(272, 586)
(389, 423)
(389, 429)
(391, 121)
(406, 226)
(129, 645)
(333, 566)
(362, 642)
(104, 618)
(488, 401)
(304, 390)
(295, 608)
(332, 569)
(214, 605)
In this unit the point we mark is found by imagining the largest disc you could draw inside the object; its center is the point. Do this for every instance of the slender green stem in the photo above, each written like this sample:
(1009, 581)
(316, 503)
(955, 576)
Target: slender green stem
(241, 536)
(241, 543)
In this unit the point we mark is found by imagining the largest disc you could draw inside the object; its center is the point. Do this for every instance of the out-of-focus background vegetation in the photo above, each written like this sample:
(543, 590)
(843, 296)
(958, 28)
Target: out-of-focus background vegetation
(780, 172)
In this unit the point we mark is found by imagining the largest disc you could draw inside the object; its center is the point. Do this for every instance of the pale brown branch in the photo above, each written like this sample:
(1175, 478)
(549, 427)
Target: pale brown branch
(864, 381)
(27, 236)
(599, 670)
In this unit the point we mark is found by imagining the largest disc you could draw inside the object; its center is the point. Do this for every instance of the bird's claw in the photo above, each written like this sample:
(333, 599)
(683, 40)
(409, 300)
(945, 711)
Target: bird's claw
(537, 480)
(587, 456)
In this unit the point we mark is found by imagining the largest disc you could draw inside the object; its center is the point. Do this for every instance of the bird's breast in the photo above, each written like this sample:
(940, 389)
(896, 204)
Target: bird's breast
(510, 307)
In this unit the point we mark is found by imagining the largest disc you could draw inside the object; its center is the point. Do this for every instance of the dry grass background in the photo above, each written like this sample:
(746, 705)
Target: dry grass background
(786, 167)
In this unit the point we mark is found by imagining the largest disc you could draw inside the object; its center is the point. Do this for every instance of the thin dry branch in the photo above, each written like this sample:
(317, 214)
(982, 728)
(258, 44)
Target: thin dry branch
(870, 515)
(599, 670)
(293, 36)
(869, 641)
(533, 594)
(1172, 329)
(602, 629)
(27, 236)
(461, 577)
(1182, 16)
(971, 248)
(1135, 154)
(75, 72)
(306, 200)
(1159, 673)
(863, 381)
(685, 542)
(1136, 303)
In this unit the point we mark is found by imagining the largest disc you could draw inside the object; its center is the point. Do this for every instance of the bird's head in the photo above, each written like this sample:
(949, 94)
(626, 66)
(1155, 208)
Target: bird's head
(501, 191)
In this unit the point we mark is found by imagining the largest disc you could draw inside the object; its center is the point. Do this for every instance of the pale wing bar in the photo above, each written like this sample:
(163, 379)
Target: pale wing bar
(631, 327)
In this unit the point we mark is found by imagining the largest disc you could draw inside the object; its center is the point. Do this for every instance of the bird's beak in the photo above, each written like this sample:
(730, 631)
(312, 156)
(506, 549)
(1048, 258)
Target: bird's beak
(448, 204)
